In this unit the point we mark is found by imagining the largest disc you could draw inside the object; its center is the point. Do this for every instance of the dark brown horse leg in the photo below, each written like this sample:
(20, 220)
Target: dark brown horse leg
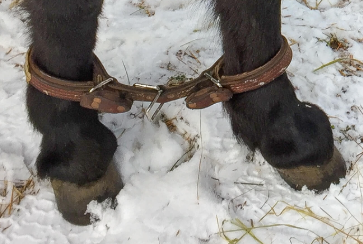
(76, 150)
(295, 137)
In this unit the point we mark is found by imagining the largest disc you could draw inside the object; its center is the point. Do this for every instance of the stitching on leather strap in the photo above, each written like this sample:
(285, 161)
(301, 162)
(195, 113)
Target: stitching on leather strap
(77, 90)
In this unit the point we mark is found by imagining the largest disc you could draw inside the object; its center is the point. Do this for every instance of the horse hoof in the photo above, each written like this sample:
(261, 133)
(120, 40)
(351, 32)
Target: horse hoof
(316, 177)
(72, 199)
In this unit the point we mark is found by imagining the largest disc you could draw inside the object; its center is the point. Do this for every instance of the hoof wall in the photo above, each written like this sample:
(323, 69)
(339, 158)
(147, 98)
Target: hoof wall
(316, 177)
(72, 199)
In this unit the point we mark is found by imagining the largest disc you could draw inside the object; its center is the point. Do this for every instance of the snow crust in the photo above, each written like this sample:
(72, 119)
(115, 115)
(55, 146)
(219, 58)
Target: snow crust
(219, 180)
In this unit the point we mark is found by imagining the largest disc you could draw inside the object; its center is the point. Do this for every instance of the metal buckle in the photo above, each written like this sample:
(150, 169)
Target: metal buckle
(215, 81)
(159, 90)
(101, 84)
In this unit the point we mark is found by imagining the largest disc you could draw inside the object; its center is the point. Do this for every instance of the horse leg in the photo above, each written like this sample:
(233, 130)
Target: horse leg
(293, 136)
(76, 150)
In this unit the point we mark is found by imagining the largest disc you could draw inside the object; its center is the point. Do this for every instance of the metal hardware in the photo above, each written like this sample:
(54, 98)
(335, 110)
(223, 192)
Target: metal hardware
(115, 93)
(101, 85)
(215, 81)
(159, 90)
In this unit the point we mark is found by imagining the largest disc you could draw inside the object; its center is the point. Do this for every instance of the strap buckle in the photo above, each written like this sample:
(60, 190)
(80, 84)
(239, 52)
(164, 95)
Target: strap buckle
(208, 96)
(212, 79)
(151, 105)
(101, 84)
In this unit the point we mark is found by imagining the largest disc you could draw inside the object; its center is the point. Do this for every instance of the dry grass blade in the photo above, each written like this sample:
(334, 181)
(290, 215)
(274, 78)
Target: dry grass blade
(328, 64)
(334, 42)
(201, 153)
(15, 3)
(18, 191)
(194, 70)
(142, 6)
(191, 54)
(171, 124)
(198, 39)
(185, 157)
(317, 3)
(309, 213)
(248, 183)
(248, 230)
(341, 60)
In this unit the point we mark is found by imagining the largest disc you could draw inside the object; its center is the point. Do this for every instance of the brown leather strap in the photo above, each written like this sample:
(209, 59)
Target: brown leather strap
(78, 91)
(259, 77)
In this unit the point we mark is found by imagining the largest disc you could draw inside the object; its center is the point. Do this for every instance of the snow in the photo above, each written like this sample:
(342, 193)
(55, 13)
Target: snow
(219, 180)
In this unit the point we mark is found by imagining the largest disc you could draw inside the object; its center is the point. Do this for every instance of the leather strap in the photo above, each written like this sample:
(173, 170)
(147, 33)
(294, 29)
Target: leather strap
(84, 91)
(261, 76)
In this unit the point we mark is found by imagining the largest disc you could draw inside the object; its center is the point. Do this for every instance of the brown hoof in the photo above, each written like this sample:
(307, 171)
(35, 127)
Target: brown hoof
(316, 177)
(72, 199)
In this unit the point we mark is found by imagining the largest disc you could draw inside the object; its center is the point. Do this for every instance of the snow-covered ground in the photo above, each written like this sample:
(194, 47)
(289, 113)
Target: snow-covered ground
(219, 185)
